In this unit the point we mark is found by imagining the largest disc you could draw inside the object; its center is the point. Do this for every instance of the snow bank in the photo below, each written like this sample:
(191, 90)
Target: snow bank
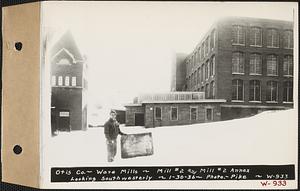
(267, 138)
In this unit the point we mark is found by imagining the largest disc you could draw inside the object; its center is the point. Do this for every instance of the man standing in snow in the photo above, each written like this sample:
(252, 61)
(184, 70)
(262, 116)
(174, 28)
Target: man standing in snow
(111, 131)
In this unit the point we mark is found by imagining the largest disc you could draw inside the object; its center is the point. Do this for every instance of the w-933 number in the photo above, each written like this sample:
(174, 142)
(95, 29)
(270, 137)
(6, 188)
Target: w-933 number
(273, 183)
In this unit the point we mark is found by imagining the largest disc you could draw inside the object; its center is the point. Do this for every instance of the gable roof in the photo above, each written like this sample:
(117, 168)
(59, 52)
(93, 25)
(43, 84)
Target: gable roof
(66, 43)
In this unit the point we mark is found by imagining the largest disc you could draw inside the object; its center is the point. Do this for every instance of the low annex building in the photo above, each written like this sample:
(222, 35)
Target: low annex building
(174, 108)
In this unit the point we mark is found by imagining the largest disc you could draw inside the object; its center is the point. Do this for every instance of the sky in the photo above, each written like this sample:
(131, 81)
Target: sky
(130, 46)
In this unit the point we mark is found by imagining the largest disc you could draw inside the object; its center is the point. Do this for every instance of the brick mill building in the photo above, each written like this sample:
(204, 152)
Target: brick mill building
(68, 86)
(246, 61)
(173, 108)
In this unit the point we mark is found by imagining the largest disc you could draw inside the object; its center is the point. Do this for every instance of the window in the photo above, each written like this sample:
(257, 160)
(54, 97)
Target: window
(212, 39)
(53, 80)
(238, 63)
(199, 75)
(288, 91)
(203, 50)
(288, 39)
(207, 46)
(255, 36)
(209, 114)
(255, 64)
(212, 89)
(157, 113)
(174, 113)
(254, 90)
(272, 87)
(73, 81)
(60, 80)
(212, 66)
(237, 90)
(193, 61)
(64, 61)
(272, 66)
(193, 113)
(207, 70)
(195, 77)
(238, 35)
(288, 65)
(200, 54)
(67, 81)
(203, 72)
(272, 38)
(206, 91)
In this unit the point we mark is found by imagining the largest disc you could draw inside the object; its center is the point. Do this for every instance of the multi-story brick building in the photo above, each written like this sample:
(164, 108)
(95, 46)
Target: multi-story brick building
(69, 86)
(246, 61)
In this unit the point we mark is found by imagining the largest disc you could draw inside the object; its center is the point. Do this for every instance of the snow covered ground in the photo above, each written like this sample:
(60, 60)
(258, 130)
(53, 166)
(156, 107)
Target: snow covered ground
(267, 138)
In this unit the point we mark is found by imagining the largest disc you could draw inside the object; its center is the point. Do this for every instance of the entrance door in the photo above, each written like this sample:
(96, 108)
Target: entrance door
(64, 120)
(139, 119)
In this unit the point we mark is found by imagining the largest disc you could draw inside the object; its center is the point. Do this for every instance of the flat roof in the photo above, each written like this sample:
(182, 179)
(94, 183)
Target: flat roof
(180, 101)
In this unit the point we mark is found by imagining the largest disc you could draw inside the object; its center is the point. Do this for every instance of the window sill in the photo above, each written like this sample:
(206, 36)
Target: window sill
(254, 101)
(272, 75)
(288, 48)
(271, 101)
(237, 101)
(259, 46)
(288, 76)
(272, 46)
(238, 44)
(238, 73)
(255, 74)
(288, 102)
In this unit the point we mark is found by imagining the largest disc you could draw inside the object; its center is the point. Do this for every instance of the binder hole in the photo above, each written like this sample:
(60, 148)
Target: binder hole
(17, 149)
(18, 46)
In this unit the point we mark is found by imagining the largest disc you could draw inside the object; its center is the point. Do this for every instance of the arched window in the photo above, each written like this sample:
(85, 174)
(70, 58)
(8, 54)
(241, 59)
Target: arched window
(272, 38)
(237, 90)
(272, 65)
(255, 36)
(288, 39)
(255, 64)
(288, 91)
(288, 65)
(73, 81)
(212, 89)
(238, 61)
(212, 66)
(60, 80)
(67, 81)
(272, 91)
(238, 35)
(254, 93)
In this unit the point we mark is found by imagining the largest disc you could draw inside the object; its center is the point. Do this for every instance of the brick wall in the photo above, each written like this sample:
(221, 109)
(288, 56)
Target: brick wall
(183, 114)
(130, 112)
(224, 59)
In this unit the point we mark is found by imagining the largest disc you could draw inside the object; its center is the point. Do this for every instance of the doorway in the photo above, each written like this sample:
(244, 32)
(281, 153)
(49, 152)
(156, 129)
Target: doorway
(64, 120)
(139, 119)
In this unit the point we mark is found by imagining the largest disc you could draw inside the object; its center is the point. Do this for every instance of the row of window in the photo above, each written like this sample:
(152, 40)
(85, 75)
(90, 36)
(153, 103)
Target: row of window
(238, 38)
(238, 64)
(203, 73)
(203, 50)
(256, 37)
(59, 81)
(255, 91)
(174, 113)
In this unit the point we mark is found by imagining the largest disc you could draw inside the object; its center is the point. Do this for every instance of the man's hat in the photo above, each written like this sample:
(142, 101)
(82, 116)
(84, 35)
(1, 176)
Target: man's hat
(113, 112)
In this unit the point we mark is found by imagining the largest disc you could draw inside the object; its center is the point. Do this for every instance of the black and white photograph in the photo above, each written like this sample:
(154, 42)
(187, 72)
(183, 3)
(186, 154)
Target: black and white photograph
(169, 95)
